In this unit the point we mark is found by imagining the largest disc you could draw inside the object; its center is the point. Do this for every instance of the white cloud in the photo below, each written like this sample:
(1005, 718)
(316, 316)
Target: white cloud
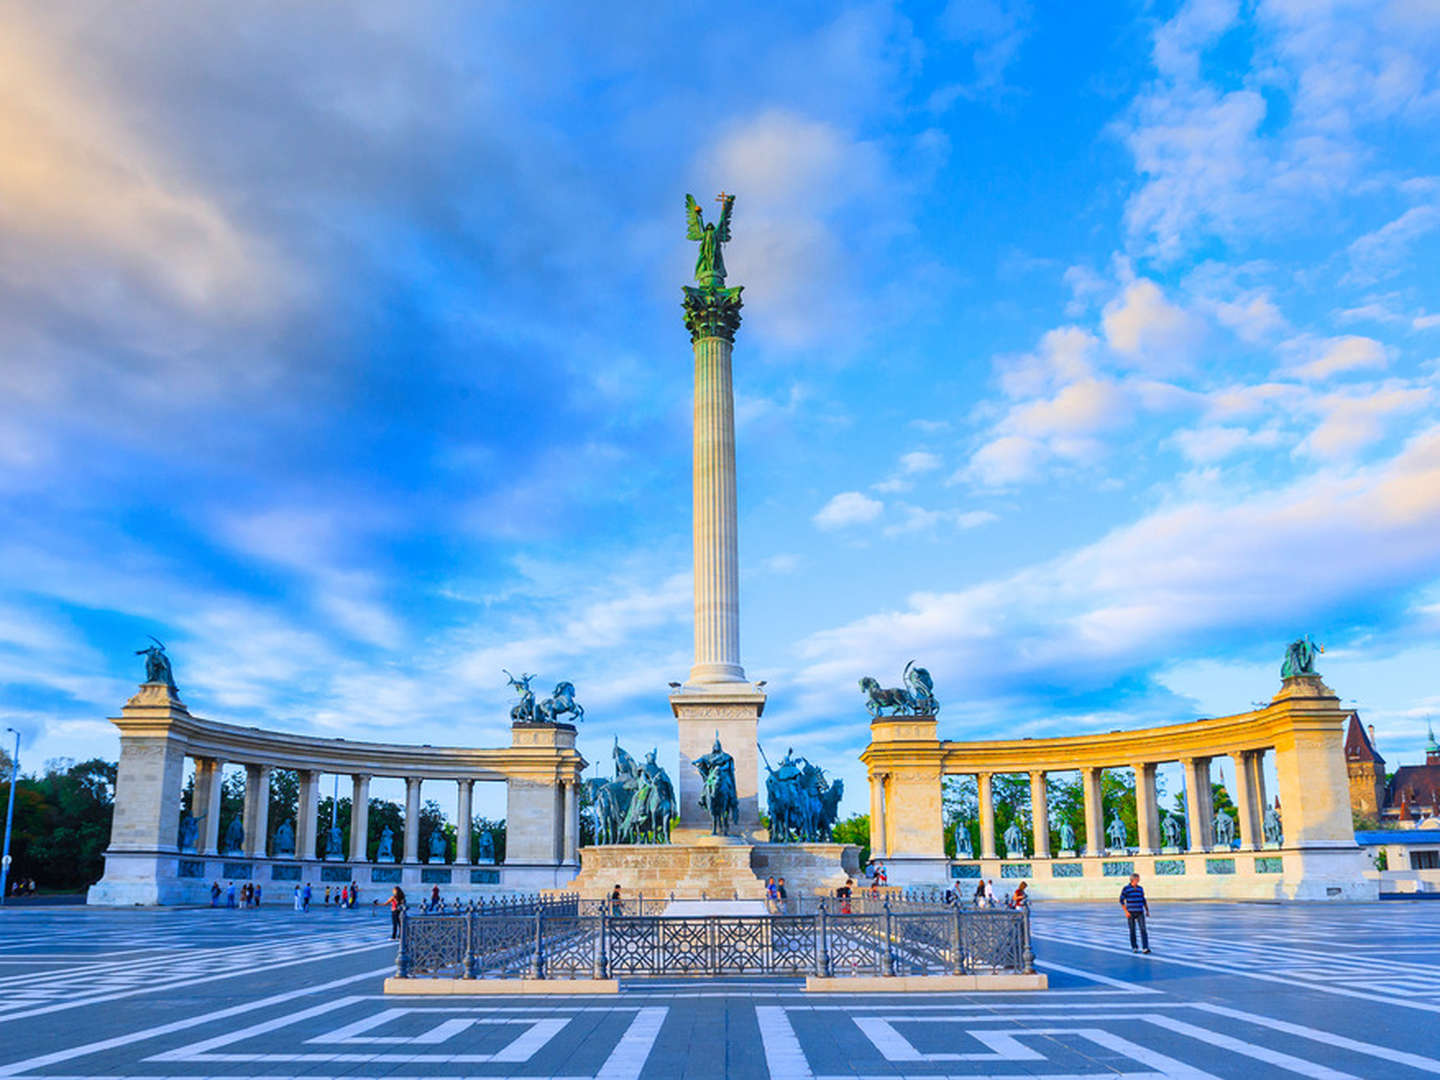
(1337, 355)
(1353, 420)
(909, 519)
(1219, 569)
(848, 508)
(1005, 460)
(1253, 318)
(1386, 251)
(919, 461)
(1149, 330)
(1210, 444)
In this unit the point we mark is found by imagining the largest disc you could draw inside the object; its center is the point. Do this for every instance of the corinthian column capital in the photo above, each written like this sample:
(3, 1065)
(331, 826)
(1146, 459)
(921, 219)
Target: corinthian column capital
(712, 312)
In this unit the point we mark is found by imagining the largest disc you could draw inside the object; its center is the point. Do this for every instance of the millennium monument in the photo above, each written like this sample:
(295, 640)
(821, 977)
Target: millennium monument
(718, 847)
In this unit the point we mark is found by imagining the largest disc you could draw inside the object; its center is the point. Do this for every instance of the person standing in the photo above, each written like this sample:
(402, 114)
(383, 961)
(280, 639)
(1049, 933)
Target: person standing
(305, 895)
(617, 906)
(327, 895)
(230, 895)
(782, 896)
(215, 894)
(354, 893)
(397, 905)
(1136, 907)
(844, 893)
(772, 895)
(989, 892)
(434, 905)
(296, 899)
(257, 893)
(979, 898)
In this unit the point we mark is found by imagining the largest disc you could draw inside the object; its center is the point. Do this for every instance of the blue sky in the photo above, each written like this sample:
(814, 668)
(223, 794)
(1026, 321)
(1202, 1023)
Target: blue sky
(1089, 355)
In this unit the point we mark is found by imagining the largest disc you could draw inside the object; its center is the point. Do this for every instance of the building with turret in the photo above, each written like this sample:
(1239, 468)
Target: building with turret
(1366, 770)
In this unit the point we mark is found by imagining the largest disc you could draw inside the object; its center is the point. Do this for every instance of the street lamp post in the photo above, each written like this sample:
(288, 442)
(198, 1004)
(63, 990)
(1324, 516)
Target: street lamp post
(9, 817)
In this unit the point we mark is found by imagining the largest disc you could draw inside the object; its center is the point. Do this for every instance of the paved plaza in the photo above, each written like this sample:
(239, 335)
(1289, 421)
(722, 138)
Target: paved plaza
(1232, 990)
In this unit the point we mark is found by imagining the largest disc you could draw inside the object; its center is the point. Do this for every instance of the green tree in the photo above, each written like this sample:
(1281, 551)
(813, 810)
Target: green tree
(62, 822)
(854, 830)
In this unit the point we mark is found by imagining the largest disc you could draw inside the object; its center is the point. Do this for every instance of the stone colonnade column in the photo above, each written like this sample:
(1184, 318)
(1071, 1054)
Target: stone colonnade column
(1147, 813)
(1245, 801)
(987, 815)
(307, 813)
(1197, 803)
(463, 816)
(257, 810)
(412, 819)
(877, 815)
(571, 852)
(1094, 810)
(208, 779)
(1040, 814)
(1257, 784)
(359, 817)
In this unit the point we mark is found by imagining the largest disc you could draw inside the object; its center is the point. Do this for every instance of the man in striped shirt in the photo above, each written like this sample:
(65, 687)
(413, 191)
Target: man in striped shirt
(1132, 899)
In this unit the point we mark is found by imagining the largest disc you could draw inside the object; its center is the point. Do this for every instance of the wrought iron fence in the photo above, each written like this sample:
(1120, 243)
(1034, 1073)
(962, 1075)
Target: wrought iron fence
(556, 943)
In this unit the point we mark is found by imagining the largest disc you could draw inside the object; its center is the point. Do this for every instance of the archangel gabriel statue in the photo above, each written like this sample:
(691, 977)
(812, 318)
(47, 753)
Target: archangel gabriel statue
(157, 664)
(710, 263)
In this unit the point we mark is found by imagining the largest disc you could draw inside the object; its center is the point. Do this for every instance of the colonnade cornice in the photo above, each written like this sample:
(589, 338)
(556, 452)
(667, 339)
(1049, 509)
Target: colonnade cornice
(238, 745)
(1299, 710)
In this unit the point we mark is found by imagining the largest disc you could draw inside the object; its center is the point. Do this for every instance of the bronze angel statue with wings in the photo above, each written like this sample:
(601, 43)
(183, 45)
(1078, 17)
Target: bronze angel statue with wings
(710, 264)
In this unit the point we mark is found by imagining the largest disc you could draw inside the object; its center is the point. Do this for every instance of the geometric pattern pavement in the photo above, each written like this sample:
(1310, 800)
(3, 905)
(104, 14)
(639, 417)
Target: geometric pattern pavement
(298, 996)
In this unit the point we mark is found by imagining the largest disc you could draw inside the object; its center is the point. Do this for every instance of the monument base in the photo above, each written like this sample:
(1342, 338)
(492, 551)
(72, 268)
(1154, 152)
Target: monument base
(714, 870)
(731, 712)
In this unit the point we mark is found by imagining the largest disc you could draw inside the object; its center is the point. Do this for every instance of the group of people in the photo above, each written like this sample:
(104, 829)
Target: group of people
(22, 887)
(985, 895)
(776, 896)
(249, 895)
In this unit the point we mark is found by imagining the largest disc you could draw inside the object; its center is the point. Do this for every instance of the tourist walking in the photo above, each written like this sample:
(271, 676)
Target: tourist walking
(772, 895)
(1021, 899)
(979, 898)
(989, 892)
(617, 906)
(354, 893)
(782, 896)
(296, 899)
(844, 893)
(215, 894)
(397, 904)
(305, 894)
(1136, 907)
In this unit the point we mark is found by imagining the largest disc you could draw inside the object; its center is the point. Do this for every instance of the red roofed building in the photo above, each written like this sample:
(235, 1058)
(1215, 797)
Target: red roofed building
(1366, 769)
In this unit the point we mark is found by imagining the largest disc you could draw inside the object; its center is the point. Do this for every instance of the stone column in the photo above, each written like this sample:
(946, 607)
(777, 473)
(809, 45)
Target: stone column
(412, 819)
(1147, 811)
(257, 810)
(1245, 801)
(987, 815)
(1094, 810)
(571, 852)
(1197, 802)
(713, 317)
(307, 813)
(208, 779)
(359, 817)
(1256, 772)
(1040, 814)
(877, 816)
(463, 816)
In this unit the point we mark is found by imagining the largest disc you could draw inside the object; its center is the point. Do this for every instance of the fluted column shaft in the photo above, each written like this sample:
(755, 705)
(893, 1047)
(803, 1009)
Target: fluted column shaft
(987, 815)
(1147, 811)
(1197, 803)
(1040, 814)
(463, 817)
(209, 776)
(359, 817)
(307, 814)
(1094, 811)
(717, 557)
(1245, 801)
(572, 823)
(412, 819)
(257, 809)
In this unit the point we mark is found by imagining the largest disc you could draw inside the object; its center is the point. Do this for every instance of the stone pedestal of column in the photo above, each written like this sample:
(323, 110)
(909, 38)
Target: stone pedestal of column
(731, 710)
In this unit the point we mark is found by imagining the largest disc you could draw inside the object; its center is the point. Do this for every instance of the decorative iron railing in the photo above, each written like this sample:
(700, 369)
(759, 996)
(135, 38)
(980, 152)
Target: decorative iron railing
(552, 943)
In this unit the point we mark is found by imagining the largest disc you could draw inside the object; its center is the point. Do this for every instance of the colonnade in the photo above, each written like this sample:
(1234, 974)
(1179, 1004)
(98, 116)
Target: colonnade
(1302, 726)
(541, 770)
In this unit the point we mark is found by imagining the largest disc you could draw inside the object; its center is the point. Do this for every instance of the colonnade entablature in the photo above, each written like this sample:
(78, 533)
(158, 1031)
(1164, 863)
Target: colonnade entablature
(155, 856)
(1302, 727)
